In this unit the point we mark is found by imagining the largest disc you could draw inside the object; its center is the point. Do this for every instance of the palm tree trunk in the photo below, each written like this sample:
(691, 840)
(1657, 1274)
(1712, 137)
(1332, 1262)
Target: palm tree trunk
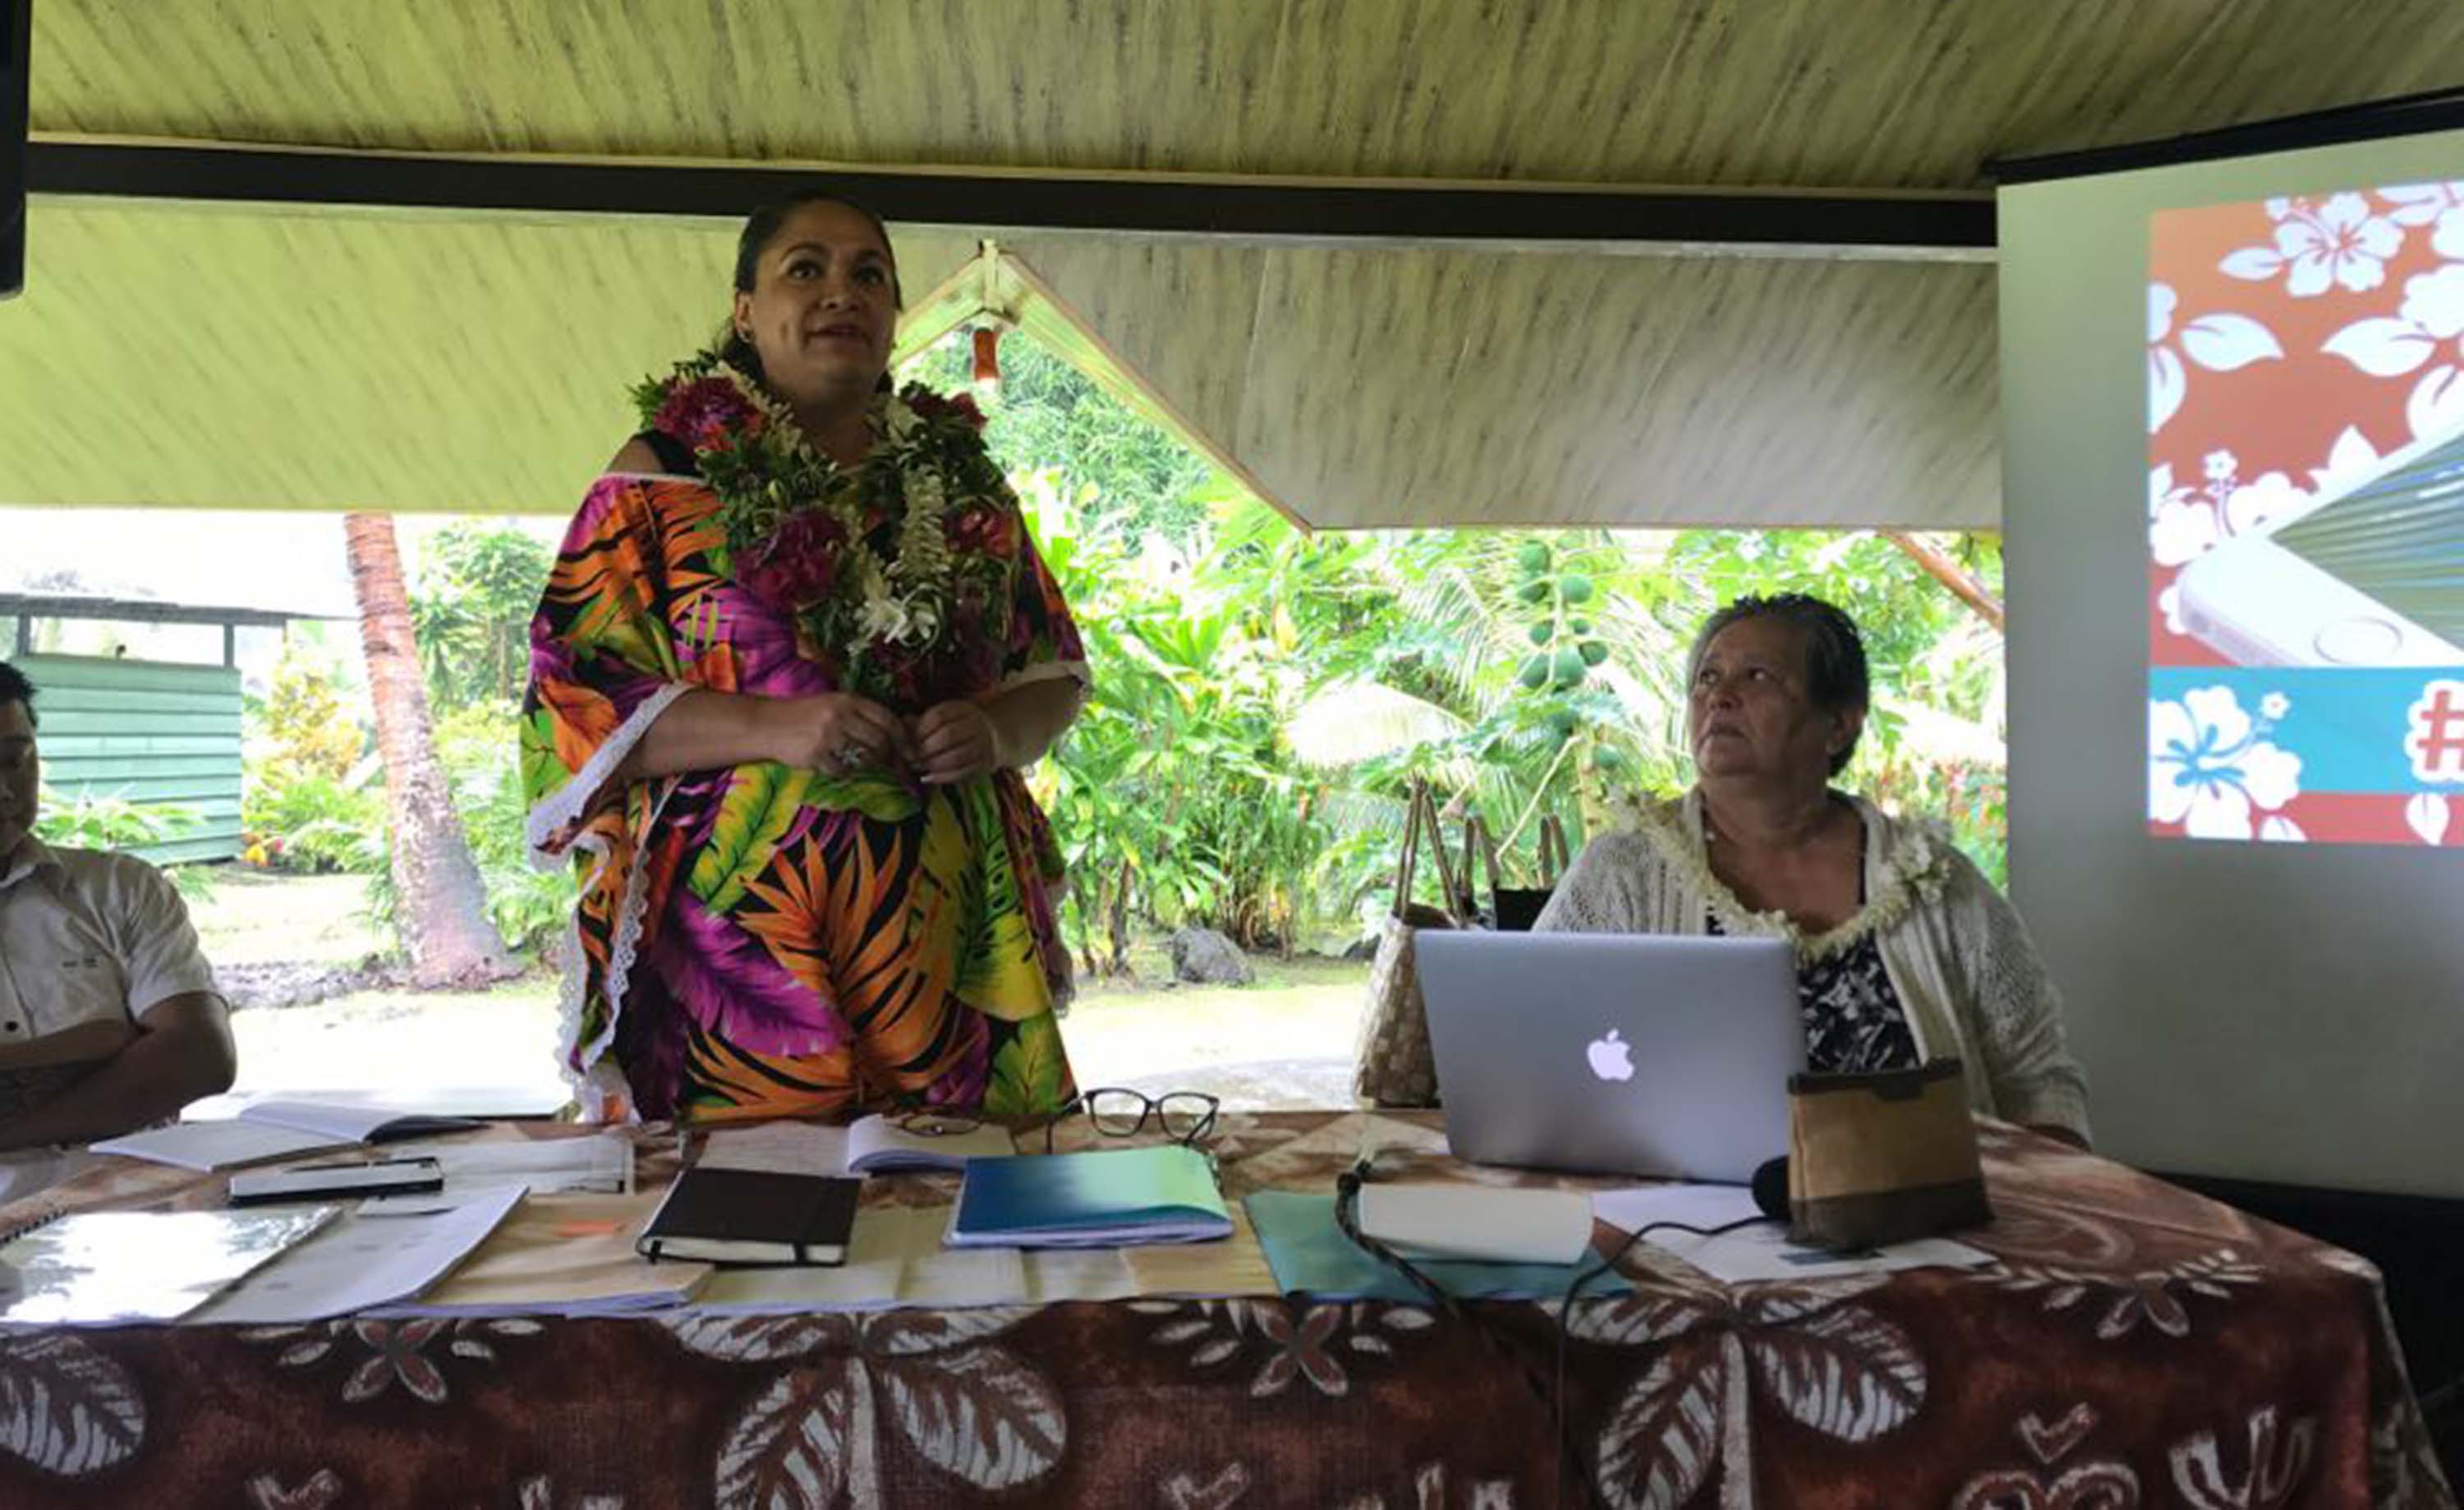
(441, 906)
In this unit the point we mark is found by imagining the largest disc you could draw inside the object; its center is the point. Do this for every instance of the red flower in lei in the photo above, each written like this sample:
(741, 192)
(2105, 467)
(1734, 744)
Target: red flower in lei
(934, 407)
(981, 530)
(791, 526)
(799, 565)
(707, 413)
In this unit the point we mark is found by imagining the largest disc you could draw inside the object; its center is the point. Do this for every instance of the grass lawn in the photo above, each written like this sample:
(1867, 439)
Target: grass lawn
(1285, 1040)
(255, 917)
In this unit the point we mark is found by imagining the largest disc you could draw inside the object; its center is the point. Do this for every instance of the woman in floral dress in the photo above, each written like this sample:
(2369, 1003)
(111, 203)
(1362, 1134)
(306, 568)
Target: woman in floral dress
(794, 652)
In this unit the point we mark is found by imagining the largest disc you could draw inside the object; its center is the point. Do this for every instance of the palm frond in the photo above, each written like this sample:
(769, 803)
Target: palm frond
(1352, 721)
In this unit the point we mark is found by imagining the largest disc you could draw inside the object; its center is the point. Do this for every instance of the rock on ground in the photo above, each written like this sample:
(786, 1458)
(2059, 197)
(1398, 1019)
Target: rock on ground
(1204, 957)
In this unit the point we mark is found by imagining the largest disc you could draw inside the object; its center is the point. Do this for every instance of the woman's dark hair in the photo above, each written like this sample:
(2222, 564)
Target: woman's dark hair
(761, 228)
(1835, 678)
(15, 688)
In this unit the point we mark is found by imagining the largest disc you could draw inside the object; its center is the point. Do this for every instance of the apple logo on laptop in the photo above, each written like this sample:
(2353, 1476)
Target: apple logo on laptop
(1611, 1060)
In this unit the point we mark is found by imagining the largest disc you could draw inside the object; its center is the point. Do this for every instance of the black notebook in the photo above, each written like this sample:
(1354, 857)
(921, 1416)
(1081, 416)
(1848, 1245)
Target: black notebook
(752, 1216)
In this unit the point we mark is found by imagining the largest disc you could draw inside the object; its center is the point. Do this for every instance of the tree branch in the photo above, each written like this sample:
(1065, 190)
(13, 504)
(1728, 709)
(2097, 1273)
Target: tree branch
(1938, 565)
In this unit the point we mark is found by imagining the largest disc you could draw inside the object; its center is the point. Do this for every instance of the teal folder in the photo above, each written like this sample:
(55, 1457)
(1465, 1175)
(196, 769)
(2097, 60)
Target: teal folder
(1310, 1256)
(1118, 1198)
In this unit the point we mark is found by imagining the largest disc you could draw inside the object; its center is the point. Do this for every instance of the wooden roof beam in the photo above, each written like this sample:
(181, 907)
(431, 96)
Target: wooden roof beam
(1412, 212)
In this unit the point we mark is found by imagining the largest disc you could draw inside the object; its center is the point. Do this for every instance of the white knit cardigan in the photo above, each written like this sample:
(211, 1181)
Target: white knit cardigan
(1967, 974)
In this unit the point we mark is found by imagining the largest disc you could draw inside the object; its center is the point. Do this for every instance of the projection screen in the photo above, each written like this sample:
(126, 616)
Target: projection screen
(2233, 489)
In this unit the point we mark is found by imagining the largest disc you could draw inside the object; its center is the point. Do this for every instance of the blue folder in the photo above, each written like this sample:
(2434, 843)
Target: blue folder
(1310, 1256)
(1117, 1198)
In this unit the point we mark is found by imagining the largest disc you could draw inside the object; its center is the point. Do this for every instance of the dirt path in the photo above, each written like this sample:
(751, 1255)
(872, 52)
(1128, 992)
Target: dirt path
(1286, 1041)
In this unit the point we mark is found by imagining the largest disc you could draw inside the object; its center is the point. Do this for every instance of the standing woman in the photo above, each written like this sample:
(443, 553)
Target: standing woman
(793, 653)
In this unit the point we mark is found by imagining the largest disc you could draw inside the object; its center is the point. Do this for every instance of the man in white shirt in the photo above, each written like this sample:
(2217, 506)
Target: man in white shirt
(94, 948)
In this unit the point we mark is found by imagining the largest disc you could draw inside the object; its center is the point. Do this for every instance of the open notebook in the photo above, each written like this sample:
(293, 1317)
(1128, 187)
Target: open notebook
(276, 1130)
(868, 1145)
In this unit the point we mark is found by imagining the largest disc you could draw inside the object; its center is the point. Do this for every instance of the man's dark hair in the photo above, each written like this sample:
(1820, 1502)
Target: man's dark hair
(15, 688)
(1835, 678)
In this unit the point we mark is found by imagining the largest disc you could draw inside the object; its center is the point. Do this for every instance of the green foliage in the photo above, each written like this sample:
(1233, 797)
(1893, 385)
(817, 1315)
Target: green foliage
(1262, 698)
(1048, 415)
(311, 802)
(300, 820)
(314, 799)
(478, 583)
(307, 820)
(88, 822)
(303, 722)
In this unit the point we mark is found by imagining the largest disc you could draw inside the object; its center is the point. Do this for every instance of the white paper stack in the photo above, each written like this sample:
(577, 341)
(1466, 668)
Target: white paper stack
(374, 1255)
(601, 1165)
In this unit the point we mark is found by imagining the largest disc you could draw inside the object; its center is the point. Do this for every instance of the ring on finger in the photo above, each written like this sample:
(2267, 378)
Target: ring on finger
(853, 756)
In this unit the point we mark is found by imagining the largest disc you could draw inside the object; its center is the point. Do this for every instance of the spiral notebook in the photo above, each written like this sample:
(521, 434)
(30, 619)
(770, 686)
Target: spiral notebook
(117, 1268)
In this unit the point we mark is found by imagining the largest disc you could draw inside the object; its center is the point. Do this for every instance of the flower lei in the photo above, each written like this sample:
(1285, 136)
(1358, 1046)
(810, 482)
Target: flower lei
(1915, 870)
(910, 625)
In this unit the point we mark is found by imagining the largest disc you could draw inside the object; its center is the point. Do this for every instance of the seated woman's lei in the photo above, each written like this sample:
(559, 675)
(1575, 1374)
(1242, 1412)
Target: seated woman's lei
(1915, 872)
(898, 570)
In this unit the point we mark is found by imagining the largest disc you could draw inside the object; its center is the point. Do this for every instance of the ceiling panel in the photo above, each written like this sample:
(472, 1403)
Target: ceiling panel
(1535, 388)
(1884, 94)
(225, 358)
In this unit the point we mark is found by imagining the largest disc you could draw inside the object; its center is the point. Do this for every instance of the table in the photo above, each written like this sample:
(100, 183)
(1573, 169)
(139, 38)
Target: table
(2134, 1345)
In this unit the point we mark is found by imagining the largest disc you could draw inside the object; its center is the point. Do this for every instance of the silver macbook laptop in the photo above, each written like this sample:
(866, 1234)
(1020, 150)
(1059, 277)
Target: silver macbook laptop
(1633, 1055)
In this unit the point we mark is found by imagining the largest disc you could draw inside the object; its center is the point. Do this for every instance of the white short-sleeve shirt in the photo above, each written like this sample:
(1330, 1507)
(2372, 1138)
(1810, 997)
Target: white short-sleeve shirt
(85, 936)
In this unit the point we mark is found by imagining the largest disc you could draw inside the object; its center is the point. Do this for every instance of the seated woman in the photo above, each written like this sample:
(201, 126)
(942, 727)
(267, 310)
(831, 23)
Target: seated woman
(1905, 952)
(788, 663)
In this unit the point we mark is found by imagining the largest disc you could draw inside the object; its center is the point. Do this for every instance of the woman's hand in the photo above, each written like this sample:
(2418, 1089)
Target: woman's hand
(955, 741)
(835, 733)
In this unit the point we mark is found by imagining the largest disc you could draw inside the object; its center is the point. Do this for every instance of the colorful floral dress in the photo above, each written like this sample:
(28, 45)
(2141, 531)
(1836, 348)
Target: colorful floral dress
(766, 940)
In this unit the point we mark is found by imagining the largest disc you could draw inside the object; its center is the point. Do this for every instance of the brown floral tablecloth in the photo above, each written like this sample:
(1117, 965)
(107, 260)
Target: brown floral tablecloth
(2134, 1345)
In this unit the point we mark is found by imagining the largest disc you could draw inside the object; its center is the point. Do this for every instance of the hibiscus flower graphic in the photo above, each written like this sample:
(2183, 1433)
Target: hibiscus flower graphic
(2341, 242)
(2212, 769)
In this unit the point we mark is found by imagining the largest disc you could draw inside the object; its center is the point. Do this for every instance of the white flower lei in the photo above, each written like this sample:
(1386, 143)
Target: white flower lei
(902, 588)
(1914, 872)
